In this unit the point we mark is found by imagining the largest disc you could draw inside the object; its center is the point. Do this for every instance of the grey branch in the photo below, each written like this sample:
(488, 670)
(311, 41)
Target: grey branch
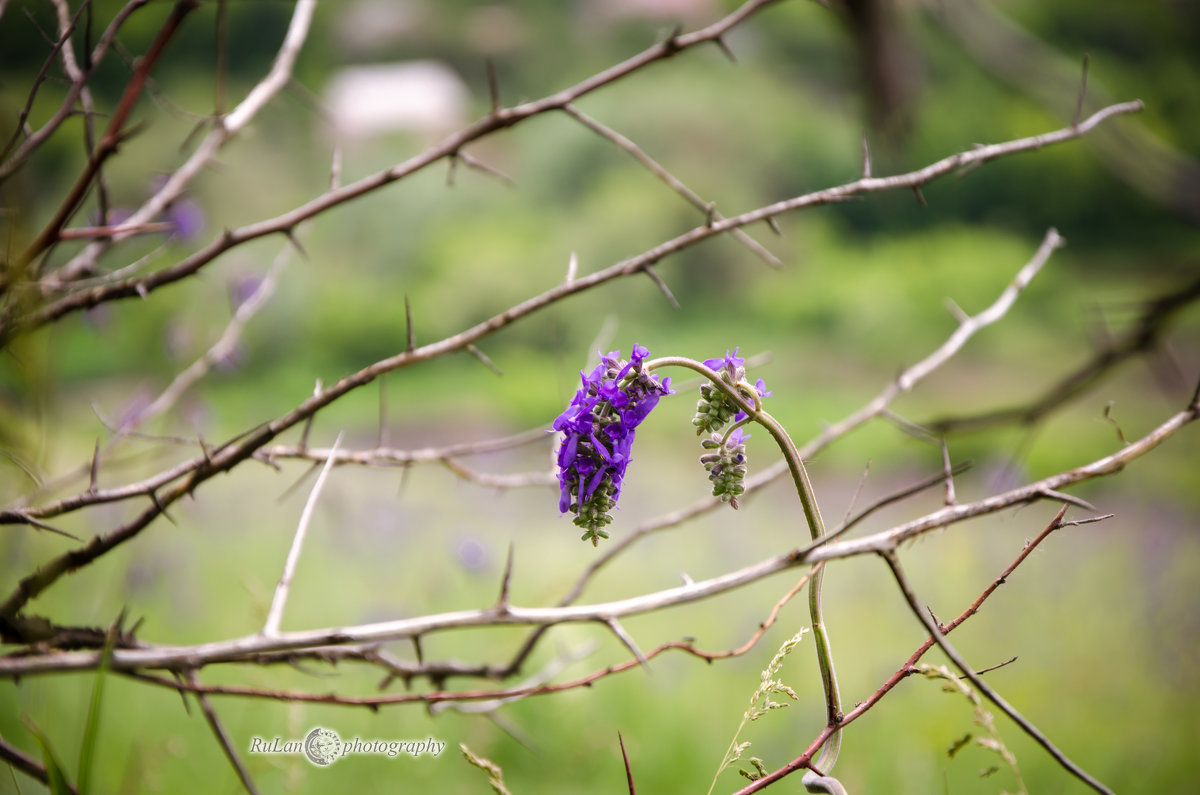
(239, 649)
(279, 601)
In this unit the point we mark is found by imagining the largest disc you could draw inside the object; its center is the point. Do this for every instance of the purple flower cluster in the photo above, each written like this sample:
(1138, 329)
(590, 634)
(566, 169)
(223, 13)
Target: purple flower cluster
(715, 408)
(598, 429)
(726, 457)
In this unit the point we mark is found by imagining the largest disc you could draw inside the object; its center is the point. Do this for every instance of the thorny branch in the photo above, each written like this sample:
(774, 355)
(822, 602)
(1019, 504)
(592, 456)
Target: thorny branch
(240, 648)
(498, 119)
(910, 665)
(68, 289)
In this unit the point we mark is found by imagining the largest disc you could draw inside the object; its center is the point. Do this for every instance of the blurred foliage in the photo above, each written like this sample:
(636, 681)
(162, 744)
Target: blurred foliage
(861, 296)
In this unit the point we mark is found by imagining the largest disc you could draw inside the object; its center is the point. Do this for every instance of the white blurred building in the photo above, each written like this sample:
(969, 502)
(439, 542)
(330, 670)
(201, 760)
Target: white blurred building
(424, 98)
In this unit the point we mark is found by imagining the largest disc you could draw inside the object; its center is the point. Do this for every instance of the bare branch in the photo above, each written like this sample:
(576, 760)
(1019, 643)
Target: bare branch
(390, 456)
(275, 615)
(128, 288)
(214, 723)
(667, 177)
(262, 93)
(936, 633)
(1143, 335)
(909, 667)
(224, 651)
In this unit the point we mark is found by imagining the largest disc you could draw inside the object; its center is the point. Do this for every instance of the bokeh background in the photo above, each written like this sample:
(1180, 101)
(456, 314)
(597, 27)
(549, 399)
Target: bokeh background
(1102, 619)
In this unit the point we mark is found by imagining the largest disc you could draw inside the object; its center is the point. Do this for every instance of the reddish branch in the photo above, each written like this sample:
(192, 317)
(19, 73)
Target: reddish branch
(909, 668)
(113, 135)
(437, 696)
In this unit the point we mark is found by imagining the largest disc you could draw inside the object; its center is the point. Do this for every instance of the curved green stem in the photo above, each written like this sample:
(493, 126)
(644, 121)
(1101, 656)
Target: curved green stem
(816, 527)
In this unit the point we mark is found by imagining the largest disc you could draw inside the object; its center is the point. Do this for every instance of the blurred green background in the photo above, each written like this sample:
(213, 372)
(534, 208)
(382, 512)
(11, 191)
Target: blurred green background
(1102, 618)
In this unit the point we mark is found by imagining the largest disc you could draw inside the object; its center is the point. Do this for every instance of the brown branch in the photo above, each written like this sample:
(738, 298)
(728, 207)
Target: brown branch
(27, 764)
(67, 106)
(114, 134)
(1144, 335)
(668, 178)
(501, 119)
(214, 723)
(909, 667)
(140, 287)
(939, 638)
(64, 37)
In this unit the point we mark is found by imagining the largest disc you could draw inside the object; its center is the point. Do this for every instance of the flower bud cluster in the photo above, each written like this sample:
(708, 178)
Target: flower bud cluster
(715, 408)
(726, 465)
(726, 460)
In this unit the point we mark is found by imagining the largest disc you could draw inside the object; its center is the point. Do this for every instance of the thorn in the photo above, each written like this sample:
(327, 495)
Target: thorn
(453, 157)
(951, 499)
(141, 290)
(710, 214)
(316, 465)
(416, 642)
(161, 508)
(625, 638)
(42, 525)
(724, 46)
(479, 165)
(1089, 520)
(410, 332)
(95, 468)
(572, 267)
(628, 769)
(661, 285)
(957, 311)
(866, 154)
(687, 580)
(205, 449)
(335, 168)
(771, 222)
(502, 602)
(981, 671)
(933, 615)
(1067, 498)
(671, 45)
(1082, 93)
(290, 234)
(481, 356)
(1109, 417)
(381, 439)
(493, 86)
(920, 196)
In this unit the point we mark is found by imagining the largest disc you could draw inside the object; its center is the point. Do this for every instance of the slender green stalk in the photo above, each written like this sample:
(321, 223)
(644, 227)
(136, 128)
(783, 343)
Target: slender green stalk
(816, 527)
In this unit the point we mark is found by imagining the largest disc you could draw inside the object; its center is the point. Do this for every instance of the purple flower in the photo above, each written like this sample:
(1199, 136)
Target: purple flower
(598, 430)
(732, 362)
(715, 408)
